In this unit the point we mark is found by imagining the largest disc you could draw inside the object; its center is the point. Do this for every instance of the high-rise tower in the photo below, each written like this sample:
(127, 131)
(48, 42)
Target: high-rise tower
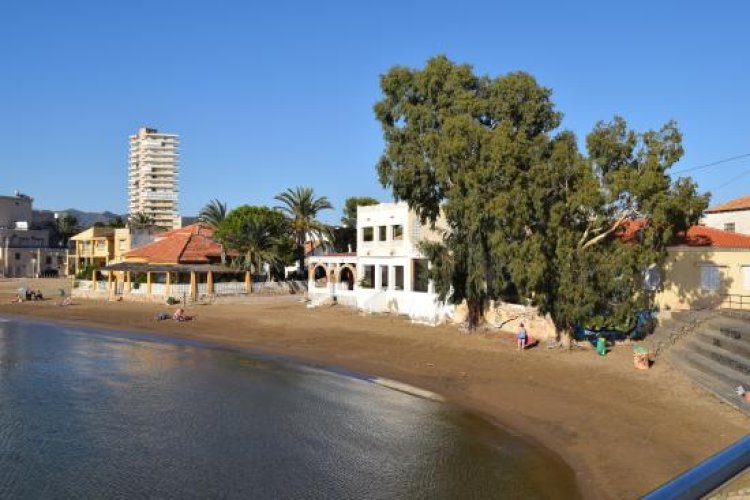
(152, 177)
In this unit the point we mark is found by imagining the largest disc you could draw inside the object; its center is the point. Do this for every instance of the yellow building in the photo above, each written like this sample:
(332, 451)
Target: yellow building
(93, 247)
(707, 268)
(102, 246)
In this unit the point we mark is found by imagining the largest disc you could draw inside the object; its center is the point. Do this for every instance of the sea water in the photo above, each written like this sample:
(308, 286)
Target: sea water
(87, 414)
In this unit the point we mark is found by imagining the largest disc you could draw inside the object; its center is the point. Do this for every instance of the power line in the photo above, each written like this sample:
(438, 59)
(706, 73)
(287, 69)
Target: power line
(714, 163)
(729, 181)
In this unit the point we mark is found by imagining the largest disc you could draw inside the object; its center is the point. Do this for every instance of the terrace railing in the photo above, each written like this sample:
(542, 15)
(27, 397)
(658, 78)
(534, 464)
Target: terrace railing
(735, 301)
(708, 475)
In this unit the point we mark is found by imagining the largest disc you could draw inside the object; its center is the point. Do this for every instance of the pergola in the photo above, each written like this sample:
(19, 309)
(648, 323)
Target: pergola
(127, 269)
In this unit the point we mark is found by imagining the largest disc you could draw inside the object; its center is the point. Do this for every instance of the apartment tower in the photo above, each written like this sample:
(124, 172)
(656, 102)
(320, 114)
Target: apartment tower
(152, 177)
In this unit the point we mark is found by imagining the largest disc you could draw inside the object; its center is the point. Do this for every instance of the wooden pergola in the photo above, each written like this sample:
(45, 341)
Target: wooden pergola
(127, 269)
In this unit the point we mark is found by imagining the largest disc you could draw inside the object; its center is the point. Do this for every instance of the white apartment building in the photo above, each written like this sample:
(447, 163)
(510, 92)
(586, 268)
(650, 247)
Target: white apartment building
(153, 170)
(388, 273)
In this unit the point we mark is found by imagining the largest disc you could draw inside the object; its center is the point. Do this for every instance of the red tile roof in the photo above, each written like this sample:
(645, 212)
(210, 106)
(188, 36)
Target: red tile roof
(703, 236)
(696, 236)
(191, 244)
(741, 203)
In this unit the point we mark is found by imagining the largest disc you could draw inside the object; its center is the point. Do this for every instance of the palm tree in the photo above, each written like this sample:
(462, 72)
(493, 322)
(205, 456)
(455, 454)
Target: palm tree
(213, 213)
(66, 226)
(140, 220)
(261, 245)
(300, 206)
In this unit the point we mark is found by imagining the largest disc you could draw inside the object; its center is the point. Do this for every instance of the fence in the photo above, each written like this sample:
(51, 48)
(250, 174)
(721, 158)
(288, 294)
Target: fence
(735, 301)
(707, 475)
(231, 288)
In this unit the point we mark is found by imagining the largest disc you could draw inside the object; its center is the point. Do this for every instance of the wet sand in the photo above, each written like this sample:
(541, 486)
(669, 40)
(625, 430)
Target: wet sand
(624, 431)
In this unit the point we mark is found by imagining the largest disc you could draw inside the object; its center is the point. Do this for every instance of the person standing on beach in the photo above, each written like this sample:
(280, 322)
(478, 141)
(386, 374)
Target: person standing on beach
(521, 337)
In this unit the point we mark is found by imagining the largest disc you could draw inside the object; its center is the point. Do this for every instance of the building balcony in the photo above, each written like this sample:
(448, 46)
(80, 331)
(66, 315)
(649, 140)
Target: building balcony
(151, 195)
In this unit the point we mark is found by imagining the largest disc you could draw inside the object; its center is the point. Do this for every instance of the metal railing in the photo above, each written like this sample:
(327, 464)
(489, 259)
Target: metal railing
(708, 475)
(735, 301)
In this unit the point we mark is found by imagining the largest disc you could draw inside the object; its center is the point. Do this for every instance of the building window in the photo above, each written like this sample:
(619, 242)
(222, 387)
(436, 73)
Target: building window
(384, 277)
(729, 227)
(60, 260)
(382, 233)
(746, 277)
(710, 278)
(367, 233)
(420, 275)
(121, 245)
(398, 277)
(368, 277)
(18, 256)
(397, 232)
(48, 260)
(416, 231)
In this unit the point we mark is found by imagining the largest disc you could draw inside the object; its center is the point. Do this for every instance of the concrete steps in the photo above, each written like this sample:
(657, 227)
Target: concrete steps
(716, 355)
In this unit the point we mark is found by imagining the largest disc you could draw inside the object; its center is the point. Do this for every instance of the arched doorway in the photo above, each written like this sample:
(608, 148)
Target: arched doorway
(346, 278)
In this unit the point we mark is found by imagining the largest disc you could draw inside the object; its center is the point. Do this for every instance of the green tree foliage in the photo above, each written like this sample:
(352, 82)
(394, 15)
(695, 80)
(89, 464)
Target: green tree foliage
(349, 217)
(526, 215)
(116, 222)
(345, 236)
(66, 226)
(213, 213)
(258, 234)
(140, 220)
(301, 207)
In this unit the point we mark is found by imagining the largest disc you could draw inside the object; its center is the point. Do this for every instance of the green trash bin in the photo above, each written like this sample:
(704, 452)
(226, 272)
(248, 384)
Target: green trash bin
(601, 346)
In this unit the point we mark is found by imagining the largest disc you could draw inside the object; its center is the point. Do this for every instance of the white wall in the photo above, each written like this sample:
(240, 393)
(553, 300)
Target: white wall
(741, 219)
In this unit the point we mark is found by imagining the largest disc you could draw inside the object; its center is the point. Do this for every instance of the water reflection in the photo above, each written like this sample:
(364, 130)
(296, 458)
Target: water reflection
(87, 414)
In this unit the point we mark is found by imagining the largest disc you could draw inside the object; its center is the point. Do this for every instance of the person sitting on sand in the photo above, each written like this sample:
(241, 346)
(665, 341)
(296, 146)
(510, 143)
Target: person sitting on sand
(17, 299)
(66, 302)
(179, 315)
(39, 295)
(521, 338)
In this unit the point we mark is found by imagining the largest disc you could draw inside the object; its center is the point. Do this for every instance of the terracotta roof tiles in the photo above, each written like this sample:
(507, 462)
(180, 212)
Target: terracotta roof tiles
(741, 203)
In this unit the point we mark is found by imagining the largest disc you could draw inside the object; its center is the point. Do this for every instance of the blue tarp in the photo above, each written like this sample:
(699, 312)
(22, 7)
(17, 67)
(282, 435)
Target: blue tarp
(644, 324)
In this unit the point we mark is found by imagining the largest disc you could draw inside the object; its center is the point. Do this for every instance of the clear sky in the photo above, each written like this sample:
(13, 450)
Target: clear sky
(277, 94)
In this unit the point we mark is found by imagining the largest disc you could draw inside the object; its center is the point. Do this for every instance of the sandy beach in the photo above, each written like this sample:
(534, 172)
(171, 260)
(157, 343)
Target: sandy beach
(624, 431)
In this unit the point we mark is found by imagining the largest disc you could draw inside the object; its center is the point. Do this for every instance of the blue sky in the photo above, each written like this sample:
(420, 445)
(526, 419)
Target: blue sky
(268, 96)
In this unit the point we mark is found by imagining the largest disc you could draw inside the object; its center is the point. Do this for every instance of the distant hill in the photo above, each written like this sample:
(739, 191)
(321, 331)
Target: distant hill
(88, 219)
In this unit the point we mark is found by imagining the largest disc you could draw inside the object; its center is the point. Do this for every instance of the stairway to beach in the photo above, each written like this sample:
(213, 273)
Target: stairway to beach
(713, 350)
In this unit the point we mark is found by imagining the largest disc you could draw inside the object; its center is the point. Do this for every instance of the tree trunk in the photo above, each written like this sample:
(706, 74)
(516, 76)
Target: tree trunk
(476, 313)
(565, 337)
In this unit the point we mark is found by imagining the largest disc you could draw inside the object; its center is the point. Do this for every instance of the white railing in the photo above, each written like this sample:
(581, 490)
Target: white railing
(231, 288)
(180, 289)
(83, 284)
(158, 288)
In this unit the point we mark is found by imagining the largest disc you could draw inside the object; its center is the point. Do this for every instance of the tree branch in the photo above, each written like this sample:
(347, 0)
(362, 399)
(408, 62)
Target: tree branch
(596, 239)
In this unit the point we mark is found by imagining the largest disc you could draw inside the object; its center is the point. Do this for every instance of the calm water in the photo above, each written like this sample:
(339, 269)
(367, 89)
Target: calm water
(98, 415)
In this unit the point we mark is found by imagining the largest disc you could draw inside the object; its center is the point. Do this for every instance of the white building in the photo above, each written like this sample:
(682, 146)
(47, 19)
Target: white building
(388, 273)
(732, 216)
(25, 252)
(152, 177)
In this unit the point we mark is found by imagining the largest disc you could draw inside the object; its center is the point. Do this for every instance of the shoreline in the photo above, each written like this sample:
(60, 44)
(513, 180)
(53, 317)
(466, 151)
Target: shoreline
(324, 338)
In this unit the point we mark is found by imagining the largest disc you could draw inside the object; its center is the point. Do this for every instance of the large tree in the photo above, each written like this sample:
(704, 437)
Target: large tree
(258, 234)
(528, 217)
(301, 208)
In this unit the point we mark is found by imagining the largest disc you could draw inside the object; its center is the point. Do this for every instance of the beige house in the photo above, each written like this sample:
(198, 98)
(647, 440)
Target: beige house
(732, 216)
(707, 268)
(101, 246)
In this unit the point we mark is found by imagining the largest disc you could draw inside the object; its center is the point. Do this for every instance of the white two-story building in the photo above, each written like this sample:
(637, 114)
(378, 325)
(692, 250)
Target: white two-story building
(388, 273)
